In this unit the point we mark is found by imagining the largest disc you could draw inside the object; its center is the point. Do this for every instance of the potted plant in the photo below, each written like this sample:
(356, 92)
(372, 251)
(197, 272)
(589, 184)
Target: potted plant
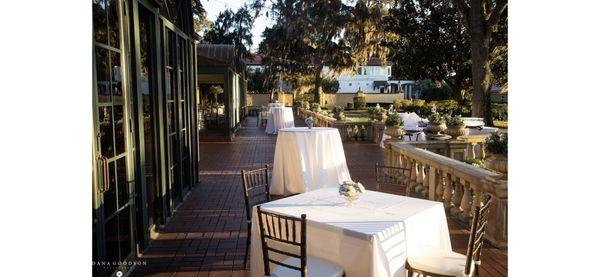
(456, 127)
(315, 107)
(496, 147)
(338, 113)
(371, 111)
(437, 124)
(394, 126)
(380, 113)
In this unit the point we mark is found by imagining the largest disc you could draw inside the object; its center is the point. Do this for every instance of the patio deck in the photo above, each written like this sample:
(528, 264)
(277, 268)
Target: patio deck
(207, 234)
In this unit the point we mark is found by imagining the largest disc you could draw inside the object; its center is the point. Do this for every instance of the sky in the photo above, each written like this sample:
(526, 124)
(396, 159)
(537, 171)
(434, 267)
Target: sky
(214, 7)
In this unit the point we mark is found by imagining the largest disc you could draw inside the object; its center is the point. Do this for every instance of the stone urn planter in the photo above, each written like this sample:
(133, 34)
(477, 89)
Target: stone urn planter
(497, 162)
(436, 129)
(395, 132)
(456, 131)
(339, 116)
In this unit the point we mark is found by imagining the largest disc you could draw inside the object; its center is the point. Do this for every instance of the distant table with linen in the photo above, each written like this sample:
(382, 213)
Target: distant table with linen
(369, 238)
(271, 105)
(412, 131)
(308, 159)
(279, 117)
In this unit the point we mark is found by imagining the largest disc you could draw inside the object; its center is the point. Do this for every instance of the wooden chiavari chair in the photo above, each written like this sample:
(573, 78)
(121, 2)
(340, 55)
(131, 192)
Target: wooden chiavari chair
(256, 191)
(393, 177)
(283, 231)
(429, 261)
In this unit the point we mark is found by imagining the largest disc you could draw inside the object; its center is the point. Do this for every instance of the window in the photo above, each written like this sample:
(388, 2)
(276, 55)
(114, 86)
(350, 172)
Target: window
(349, 84)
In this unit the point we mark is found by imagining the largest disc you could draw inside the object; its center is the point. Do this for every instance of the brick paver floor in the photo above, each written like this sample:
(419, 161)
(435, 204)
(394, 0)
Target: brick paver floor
(207, 234)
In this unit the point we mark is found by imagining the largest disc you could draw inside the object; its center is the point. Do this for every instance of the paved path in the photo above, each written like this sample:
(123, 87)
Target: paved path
(207, 234)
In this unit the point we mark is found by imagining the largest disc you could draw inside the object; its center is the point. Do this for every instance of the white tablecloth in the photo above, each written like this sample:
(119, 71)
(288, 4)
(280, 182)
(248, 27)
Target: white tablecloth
(415, 136)
(279, 117)
(369, 238)
(308, 159)
(275, 105)
(484, 131)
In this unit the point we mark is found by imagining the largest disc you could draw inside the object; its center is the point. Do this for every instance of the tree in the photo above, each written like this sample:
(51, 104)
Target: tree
(481, 18)
(232, 28)
(311, 34)
(201, 23)
(430, 43)
(331, 85)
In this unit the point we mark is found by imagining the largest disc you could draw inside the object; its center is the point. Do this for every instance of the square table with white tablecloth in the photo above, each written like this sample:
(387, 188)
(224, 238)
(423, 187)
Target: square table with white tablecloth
(369, 238)
(279, 117)
(308, 159)
(277, 104)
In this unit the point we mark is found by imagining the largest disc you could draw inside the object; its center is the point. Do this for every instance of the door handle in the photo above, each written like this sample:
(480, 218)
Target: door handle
(103, 162)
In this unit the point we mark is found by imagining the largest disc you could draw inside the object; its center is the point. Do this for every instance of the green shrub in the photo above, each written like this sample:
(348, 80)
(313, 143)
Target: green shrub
(446, 106)
(394, 119)
(419, 102)
(497, 143)
(500, 111)
(475, 162)
(360, 102)
(349, 105)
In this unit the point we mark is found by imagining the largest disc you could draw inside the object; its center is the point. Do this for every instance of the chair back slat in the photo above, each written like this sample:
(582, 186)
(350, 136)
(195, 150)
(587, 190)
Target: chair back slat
(397, 177)
(275, 228)
(256, 188)
(477, 234)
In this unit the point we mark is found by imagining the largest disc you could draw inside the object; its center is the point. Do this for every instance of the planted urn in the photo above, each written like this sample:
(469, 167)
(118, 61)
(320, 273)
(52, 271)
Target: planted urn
(338, 113)
(456, 127)
(394, 126)
(437, 124)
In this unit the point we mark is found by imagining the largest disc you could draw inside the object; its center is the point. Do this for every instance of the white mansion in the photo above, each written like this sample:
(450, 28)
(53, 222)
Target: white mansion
(371, 78)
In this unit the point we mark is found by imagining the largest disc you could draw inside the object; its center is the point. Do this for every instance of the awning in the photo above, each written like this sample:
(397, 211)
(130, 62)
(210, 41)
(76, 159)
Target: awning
(380, 83)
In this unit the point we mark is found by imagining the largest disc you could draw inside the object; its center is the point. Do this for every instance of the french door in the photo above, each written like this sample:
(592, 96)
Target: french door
(113, 192)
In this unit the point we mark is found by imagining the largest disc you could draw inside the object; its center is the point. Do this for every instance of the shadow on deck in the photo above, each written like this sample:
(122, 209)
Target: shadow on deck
(207, 233)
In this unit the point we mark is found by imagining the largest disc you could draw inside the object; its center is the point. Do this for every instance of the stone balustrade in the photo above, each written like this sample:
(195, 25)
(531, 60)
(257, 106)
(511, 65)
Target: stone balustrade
(460, 186)
(349, 131)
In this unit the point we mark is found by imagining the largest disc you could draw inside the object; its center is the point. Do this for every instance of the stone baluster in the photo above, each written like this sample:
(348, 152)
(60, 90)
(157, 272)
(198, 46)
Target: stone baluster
(476, 199)
(481, 153)
(439, 185)
(447, 196)
(465, 203)
(456, 196)
(471, 150)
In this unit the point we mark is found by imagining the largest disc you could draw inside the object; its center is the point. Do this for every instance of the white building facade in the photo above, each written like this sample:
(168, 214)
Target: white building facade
(372, 78)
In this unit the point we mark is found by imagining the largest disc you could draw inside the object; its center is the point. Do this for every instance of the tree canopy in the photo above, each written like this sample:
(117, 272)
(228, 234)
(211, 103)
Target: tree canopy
(232, 28)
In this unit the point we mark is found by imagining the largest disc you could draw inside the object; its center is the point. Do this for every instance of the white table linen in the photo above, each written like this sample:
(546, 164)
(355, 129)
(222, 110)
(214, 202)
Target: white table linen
(415, 137)
(271, 105)
(279, 117)
(370, 238)
(483, 131)
(308, 159)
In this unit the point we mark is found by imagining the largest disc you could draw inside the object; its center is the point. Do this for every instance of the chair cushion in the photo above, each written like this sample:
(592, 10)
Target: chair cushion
(315, 267)
(438, 261)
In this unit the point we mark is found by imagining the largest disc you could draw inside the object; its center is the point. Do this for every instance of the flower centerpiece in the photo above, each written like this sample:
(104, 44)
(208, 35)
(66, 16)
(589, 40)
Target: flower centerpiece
(338, 113)
(394, 126)
(456, 127)
(496, 147)
(351, 190)
(437, 124)
(309, 122)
